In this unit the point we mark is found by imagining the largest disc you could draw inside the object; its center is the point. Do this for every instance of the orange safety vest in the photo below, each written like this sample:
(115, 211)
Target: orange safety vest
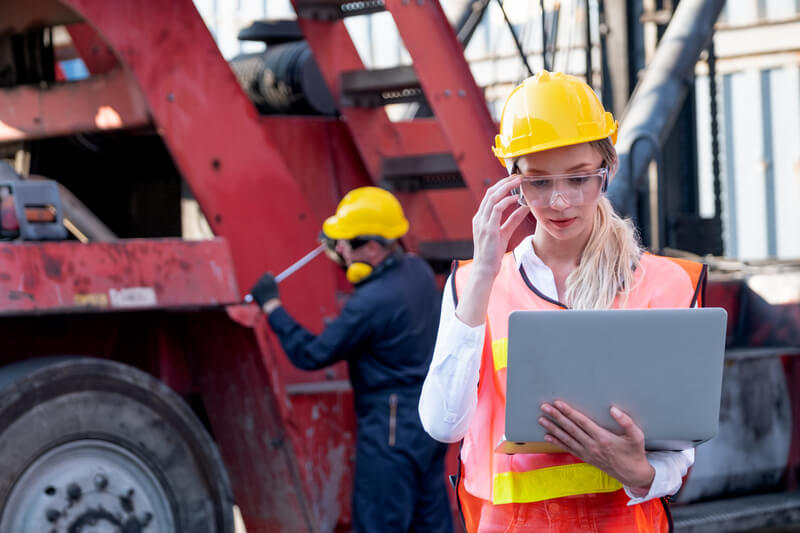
(542, 492)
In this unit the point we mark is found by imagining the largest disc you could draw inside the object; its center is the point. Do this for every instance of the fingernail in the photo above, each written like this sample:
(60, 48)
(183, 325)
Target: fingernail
(546, 408)
(560, 405)
(615, 412)
(542, 421)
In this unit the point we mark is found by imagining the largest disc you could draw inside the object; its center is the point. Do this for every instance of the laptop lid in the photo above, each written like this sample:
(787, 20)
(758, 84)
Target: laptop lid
(661, 366)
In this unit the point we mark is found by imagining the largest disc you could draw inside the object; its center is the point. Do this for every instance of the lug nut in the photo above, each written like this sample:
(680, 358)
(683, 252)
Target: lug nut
(100, 481)
(74, 492)
(52, 515)
(127, 501)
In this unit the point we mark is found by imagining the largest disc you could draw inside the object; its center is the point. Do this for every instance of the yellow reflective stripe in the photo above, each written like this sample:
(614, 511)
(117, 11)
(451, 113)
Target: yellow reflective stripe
(500, 354)
(551, 482)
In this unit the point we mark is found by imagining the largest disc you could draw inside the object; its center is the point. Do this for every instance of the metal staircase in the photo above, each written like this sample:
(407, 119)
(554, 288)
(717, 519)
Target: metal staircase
(439, 167)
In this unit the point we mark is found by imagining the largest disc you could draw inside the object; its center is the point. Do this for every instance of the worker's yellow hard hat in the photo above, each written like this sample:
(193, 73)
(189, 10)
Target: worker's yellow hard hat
(550, 110)
(367, 211)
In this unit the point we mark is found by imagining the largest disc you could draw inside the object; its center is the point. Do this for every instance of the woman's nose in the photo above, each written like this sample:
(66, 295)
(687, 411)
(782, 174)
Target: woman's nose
(558, 201)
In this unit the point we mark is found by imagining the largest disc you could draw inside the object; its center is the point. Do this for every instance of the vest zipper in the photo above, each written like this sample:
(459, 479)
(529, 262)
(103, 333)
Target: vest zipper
(392, 418)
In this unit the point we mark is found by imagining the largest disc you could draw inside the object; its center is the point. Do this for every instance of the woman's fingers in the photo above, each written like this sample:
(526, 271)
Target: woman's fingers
(500, 208)
(586, 424)
(565, 440)
(629, 427)
(565, 422)
(514, 220)
(495, 193)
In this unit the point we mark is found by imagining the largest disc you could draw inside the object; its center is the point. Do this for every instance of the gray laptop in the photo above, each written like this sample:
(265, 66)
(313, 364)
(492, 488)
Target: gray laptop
(661, 366)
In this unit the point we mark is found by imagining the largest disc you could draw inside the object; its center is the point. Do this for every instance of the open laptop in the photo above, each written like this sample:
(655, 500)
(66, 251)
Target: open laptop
(661, 366)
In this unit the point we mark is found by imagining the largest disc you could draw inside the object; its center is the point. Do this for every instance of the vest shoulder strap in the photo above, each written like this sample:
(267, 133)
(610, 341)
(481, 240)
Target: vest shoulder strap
(698, 273)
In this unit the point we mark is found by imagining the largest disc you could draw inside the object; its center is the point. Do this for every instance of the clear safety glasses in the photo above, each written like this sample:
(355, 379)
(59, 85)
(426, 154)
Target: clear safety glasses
(579, 188)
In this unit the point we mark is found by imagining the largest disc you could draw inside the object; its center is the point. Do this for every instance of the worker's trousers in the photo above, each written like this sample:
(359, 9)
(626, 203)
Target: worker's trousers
(399, 483)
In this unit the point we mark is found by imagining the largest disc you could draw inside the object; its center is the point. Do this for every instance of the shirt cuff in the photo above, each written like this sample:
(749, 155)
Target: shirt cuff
(462, 333)
(656, 487)
(669, 468)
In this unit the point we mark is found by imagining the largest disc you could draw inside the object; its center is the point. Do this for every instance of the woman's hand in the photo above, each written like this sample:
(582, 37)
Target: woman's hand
(490, 236)
(620, 456)
(489, 233)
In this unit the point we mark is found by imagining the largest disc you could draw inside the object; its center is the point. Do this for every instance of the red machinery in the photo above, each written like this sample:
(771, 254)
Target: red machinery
(170, 307)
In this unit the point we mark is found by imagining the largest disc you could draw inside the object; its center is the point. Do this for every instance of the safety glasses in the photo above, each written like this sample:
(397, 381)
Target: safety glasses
(579, 188)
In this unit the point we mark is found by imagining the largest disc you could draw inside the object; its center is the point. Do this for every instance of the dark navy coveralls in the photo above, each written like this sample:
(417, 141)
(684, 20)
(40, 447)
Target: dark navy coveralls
(386, 332)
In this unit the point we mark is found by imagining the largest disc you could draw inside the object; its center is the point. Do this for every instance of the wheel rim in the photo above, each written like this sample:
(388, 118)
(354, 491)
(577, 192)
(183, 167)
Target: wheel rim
(88, 486)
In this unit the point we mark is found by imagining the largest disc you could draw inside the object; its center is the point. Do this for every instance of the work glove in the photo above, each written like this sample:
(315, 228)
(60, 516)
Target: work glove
(265, 289)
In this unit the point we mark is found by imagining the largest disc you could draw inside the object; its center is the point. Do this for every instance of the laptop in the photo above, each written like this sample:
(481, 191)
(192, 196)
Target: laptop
(661, 366)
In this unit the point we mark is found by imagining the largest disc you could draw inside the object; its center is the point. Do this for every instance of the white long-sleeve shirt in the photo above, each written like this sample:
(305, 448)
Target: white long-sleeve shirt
(450, 392)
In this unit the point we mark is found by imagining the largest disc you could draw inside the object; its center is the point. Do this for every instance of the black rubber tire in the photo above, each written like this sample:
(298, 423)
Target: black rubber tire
(48, 402)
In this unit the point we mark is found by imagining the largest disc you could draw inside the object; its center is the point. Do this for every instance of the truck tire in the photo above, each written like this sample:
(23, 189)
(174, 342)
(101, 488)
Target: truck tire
(89, 445)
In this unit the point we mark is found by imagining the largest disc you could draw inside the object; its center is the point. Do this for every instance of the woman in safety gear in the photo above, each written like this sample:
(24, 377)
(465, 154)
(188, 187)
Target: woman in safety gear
(557, 142)
(386, 333)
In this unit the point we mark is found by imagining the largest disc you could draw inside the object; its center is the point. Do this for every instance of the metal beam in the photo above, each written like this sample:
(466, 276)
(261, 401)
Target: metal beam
(657, 99)
(104, 102)
(94, 52)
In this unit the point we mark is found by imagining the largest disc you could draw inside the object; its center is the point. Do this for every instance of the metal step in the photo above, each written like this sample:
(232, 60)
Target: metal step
(272, 32)
(379, 87)
(421, 172)
(440, 254)
(738, 514)
(336, 9)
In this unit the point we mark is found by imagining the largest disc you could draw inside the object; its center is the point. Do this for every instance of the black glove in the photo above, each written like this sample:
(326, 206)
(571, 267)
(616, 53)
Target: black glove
(265, 289)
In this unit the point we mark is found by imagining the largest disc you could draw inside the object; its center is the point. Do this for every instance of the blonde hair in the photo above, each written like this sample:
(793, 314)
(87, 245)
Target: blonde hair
(611, 256)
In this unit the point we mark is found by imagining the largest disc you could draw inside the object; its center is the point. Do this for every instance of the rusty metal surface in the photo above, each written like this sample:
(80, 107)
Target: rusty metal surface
(134, 274)
(375, 137)
(239, 175)
(94, 52)
(252, 422)
(451, 90)
(752, 320)
(100, 103)
(17, 16)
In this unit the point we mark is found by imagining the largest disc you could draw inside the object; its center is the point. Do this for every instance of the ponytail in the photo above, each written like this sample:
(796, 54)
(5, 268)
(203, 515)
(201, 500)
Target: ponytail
(611, 255)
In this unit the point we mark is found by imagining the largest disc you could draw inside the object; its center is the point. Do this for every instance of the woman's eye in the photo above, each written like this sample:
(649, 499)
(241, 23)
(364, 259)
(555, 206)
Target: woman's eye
(541, 184)
(577, 181)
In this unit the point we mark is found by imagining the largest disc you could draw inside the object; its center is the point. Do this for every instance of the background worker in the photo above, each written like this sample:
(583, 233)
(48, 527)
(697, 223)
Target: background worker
(386, 333)
(556, 141)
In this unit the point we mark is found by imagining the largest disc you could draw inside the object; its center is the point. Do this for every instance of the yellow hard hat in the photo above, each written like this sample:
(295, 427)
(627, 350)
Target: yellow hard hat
(367, 211)
(549, 111)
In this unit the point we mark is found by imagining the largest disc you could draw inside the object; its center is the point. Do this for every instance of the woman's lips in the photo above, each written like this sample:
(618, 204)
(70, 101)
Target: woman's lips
(563, 222)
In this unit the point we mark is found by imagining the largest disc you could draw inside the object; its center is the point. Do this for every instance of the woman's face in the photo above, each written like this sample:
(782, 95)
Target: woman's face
(561, 219)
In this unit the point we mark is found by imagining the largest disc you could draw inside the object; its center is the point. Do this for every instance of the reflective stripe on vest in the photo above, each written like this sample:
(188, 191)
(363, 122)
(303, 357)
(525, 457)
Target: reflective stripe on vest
(551, 482)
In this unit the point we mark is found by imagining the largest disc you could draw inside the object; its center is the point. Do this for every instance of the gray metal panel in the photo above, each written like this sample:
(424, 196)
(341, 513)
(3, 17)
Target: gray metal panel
(730, 226)
(769, 163)
(747, 174)
(705, 175)
(595, 359)
(740, 514)
(785, 95)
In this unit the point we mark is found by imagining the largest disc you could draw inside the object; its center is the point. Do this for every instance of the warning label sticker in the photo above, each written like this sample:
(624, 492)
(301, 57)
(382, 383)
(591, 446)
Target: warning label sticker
(132, 297)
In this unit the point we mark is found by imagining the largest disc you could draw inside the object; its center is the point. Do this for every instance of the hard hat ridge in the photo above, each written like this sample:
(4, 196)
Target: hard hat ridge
(550, 110)
(367, 212)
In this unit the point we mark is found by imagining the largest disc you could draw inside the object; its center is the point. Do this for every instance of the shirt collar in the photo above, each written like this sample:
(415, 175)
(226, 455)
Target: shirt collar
(524, 254)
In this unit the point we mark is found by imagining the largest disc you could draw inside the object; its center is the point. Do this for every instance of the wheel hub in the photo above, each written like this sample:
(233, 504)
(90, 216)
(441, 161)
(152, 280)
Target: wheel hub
(88, 486)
